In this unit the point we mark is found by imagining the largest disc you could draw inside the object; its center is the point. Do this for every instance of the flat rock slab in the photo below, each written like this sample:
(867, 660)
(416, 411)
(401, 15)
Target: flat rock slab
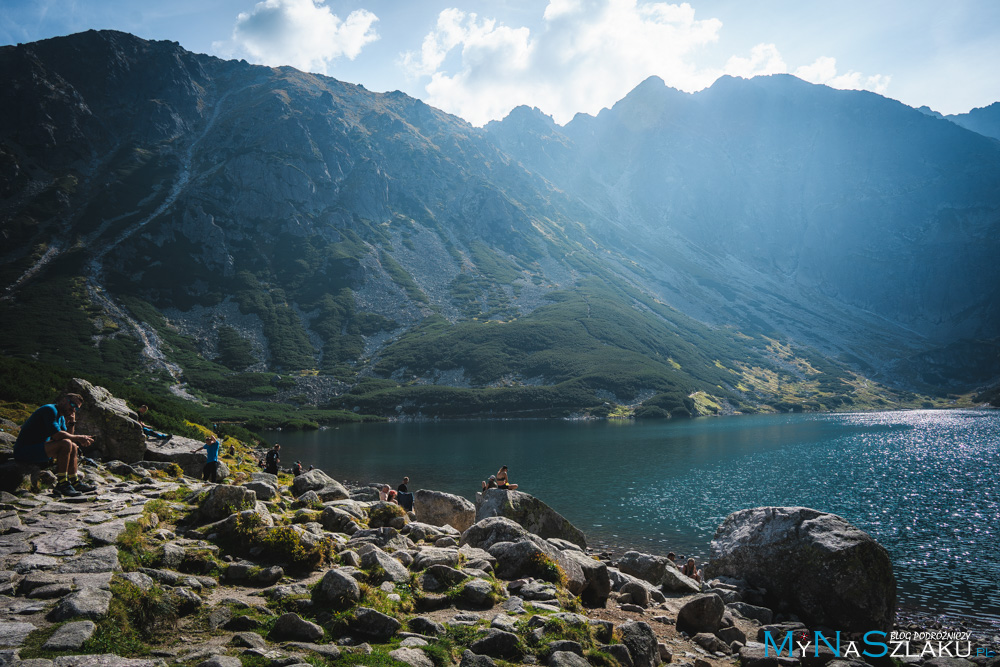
(60, 543)
(106, 660)
(71, 636)
(104, 559)
(34, 562)
(412, 656)
(88, 603)
(14, 633)
(107, 533)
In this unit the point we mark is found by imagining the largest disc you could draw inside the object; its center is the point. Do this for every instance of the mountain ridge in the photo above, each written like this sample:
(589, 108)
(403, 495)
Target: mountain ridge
(283, 221)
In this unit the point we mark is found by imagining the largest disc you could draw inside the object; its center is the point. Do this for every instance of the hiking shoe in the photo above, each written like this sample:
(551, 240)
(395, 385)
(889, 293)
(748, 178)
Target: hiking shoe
(83, 487)
(65, 489)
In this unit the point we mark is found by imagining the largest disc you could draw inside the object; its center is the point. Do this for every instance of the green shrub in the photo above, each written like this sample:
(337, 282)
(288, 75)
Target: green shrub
(546, 569)
(384, 514)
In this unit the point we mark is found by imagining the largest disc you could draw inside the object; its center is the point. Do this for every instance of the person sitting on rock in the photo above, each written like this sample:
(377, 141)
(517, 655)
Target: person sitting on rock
(691, 570)
(44, 436)
(502, 481)
(392, 497)
(672, 557)
(272, 459)
(491, 483)
(146, 431)
(297, 468)
(210, 472)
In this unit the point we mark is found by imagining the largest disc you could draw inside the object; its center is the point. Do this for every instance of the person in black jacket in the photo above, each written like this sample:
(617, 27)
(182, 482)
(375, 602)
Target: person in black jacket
(272, 459)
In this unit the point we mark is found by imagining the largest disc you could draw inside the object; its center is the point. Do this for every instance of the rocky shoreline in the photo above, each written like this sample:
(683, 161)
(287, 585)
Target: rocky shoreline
(158, 568)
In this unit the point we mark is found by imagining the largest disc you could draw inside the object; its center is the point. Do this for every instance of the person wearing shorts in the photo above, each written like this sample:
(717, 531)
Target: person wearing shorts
(45, 436)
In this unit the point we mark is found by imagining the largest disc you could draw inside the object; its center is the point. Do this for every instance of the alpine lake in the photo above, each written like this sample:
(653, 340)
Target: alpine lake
(925, 484)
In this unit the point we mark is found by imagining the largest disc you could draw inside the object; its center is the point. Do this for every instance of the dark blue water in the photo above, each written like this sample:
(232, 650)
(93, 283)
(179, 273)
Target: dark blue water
(925, 484)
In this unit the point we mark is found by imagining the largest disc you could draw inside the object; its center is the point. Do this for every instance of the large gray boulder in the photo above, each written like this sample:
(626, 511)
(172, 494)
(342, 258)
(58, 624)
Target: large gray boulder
(702, 613)
(443, 509)
(535, 516)
(179, 450)
(337, 589)
(115, 427)
(224, 501)
(658, 571)
(596, 580)
(813, 564)
(640, 640)
(373, 625)
(326, 487)
(484, 534)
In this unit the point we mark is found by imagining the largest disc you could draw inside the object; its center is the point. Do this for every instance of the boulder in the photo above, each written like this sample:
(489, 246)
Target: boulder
(702, 613)
(338, 589)
(443, 509)
(337, 520)
(484, 534)
(637, 594)
(394, 570)
(264, 490)
(567, 659)
(426, 626)
(596, 582)
(224, 501)
(373, 625)
(498, 644)
(816, 565)
(326, 487)
(470, 659)
(292, 627)
(178, 449)
(762, 615)
(644, 566)
(711, 643)
(520, 559)
(478, 593)
(89, 603)
(535, 516)
(115, 427)
(411, 656)
(641, 642)
(430, 556)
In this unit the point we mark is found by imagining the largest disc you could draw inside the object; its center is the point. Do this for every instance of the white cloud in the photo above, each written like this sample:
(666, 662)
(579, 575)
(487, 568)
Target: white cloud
(824, 70)
(302, 33)
(587, 55)
(764, 59)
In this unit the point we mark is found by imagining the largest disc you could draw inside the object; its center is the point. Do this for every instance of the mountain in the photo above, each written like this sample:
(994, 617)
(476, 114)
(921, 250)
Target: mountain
(984, 120)
(262, 234)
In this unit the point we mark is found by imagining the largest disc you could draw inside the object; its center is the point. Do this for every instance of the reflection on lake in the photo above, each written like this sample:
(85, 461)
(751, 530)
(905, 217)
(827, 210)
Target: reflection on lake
(923, 483)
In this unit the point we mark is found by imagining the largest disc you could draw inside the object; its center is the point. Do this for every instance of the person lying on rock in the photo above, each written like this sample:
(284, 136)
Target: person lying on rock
(210, 473)
(146, 431)
(502, 481)
(45, 436)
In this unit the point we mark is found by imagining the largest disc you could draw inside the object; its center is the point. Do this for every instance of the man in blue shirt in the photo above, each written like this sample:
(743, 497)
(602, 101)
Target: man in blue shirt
(210, 472)
(44, 436)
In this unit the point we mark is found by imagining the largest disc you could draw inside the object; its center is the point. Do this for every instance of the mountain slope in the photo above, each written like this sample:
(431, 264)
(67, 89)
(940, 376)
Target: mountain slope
(835, 201)
(225, 221)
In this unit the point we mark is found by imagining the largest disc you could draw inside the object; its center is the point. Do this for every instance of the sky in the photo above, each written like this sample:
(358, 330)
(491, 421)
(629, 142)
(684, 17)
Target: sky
(479, 59)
